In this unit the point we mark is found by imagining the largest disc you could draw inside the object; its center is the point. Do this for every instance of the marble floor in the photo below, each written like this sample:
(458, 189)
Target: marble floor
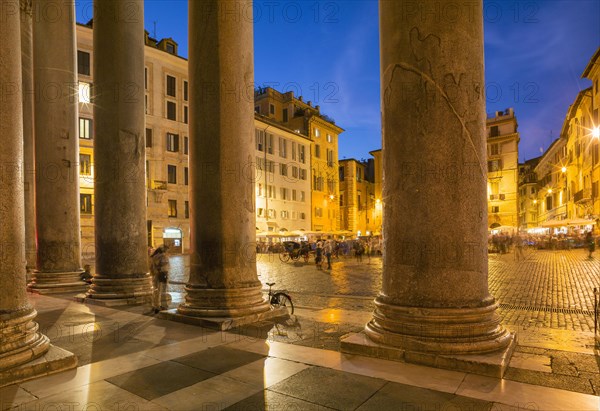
(132, 361)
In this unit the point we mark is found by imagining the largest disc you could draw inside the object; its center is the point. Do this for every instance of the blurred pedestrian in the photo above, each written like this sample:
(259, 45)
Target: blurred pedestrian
(319, 254)
(591, 244)
(518, 243)
(328, 249)
(160, 275)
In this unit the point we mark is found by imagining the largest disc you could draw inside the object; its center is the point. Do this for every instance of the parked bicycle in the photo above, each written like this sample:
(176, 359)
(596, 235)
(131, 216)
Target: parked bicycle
(280, 299)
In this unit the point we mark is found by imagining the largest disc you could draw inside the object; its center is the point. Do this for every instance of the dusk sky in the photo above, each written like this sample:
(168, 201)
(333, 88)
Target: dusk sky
(328, 52)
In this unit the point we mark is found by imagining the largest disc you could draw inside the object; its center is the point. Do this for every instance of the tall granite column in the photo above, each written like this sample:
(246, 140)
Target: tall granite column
(120, 156)
(223, 290)
(56, 150)
(434, 296)
(20, 342)
(28, 134)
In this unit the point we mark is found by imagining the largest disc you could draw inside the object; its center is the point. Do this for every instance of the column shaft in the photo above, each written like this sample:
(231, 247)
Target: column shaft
(56, 149)
(28, 131)
(20, 341)
(435, 283)
(119, 149)
(223, 277)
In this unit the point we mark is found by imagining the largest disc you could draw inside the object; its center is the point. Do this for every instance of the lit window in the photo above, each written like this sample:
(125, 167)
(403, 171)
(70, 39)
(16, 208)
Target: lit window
(172, 208)
(84, 93)
(85, 164)
(85, 203)
(85, 128)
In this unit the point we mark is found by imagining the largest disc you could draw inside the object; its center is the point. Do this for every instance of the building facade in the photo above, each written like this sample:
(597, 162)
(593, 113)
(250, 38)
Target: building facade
(528, 188)
(503, 169)
(282, 167)
(306, 119)
(357, 197)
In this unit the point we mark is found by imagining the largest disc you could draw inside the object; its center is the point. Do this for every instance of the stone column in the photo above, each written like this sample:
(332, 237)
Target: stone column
(120, 156)
(435, 299)
(56, 150)
(20, 344)
(223, 290)
(28, 134)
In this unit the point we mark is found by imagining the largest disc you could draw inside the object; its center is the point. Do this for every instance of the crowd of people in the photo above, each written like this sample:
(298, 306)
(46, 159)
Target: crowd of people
(504, 242)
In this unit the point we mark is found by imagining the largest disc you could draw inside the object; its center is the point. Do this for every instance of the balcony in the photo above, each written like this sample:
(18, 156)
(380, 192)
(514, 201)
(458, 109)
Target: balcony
(582, 196)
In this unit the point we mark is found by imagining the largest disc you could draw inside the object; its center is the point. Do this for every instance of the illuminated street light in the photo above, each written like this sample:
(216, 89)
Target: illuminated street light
(549, 191)
(534, 201)
(564, 169)
(596, 132)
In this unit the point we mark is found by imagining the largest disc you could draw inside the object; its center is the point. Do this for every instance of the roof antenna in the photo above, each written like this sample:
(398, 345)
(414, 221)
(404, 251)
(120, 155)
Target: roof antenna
(154, 34)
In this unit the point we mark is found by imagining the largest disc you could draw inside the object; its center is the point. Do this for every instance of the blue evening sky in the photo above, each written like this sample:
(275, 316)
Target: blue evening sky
(328, 52)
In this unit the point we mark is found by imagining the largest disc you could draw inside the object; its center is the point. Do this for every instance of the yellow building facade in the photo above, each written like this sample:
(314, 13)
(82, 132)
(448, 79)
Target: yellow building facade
(503, 169)
(357, 197)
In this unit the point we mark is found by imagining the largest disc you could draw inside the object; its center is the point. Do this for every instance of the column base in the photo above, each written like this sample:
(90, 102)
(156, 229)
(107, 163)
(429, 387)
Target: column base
(55, 360)
(113, 302)
(492, 364)
(224, 323)
(133, 289)
(57, 283)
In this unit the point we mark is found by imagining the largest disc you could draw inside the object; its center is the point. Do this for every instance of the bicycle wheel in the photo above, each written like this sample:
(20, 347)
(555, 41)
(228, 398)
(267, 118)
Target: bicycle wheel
(285, 300)
(285, 257)
(295, 256)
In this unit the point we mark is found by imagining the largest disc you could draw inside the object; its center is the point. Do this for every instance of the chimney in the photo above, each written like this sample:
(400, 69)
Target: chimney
(300, 98)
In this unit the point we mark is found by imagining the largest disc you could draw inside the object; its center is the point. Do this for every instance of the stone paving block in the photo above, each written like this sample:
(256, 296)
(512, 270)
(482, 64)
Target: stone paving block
(272, 401)
(160, 379)
(565, 382)
(330, 388)
(219, 359)
(561, 365)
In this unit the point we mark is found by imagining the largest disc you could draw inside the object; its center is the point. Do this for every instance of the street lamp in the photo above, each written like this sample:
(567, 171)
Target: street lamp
(596, 132)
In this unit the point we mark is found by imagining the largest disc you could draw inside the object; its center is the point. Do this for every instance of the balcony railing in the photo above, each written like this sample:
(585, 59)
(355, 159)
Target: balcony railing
(582, 195)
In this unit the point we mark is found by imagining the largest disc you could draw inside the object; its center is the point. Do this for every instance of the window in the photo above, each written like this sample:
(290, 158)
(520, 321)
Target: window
(329, 138)
(283, 169)
(294, 195)
(186, 209)
(271, 191)
(318, 183)
(494, 149)
(185, 91)
(85, 128)
(284, 193)
(84, 93)
(317, 132)
(170, 48)
(272, 213)
(494, 131)
(494, 165)
(186, 145)
(83, 63)
(260, 212)
(303, 216)
(303, 174)
(284, 214)
(282, 147)
(359, 175)
(85, 164)
(317, 151)
(330, 158)
(341, 173)
(259, 190)
(173, 142)
(270, 143)
(148, 137)
(171, 86)
(302, 196)
(259, 136)
(186, 176)
(145, 78)
(318, 212)
(360, 207)
(301, 154)
(549, 203)
(285, 115)
(271, 109)
(171, 111)
(295, 172)
(85, 203)
(341, 200)
(293, 150)
(495, 209)
(172, 208)
(185, 114)
(171, 174)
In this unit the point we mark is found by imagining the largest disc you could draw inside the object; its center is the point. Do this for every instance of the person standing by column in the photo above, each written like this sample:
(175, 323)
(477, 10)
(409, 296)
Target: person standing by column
(160, 277)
